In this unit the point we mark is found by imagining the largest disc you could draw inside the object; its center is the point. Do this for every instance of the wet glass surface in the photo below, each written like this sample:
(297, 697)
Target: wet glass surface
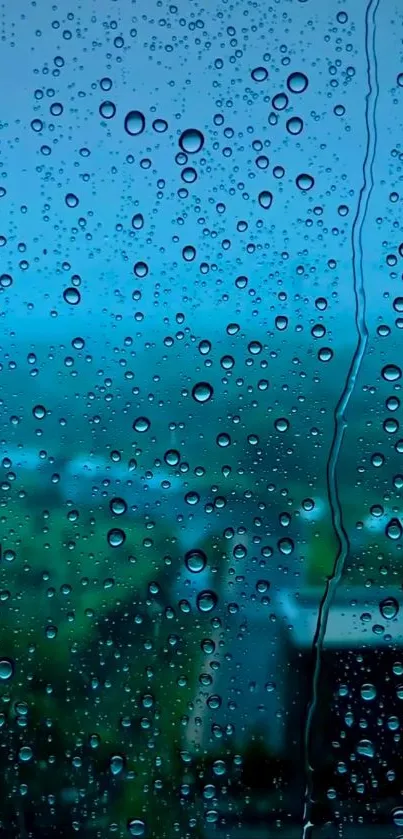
(200, 449)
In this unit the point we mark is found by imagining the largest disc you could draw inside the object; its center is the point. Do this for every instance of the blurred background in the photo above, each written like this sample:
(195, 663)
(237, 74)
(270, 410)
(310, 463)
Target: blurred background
(192, 200)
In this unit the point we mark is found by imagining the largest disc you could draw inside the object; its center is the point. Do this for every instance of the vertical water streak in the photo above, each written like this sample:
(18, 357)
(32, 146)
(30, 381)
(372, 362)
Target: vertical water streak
(339, 416)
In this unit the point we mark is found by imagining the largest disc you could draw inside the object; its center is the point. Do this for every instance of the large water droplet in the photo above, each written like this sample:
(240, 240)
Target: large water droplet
(297, 82)
(393, 529)
(72, 296)
(202, 392)
(391, 372)
(389, 608)
(259, 74)
(136, 827)
(6, 669)
(116, 537)
(265, 199)
(141, 424)
(116, 764)
(195, 561)
(135, 123)
(207, 601)
(118, 506)
(304, 182)
(368, 692)
(191, 141)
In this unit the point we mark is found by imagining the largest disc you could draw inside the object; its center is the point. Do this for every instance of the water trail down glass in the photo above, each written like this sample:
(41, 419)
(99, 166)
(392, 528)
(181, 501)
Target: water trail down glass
(339, 420)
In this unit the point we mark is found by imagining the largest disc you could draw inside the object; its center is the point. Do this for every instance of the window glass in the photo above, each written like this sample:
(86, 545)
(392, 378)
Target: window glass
(200, 446)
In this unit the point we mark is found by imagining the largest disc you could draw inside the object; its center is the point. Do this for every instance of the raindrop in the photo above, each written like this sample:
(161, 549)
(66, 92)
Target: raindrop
(71, 200)
(265, 199)
(6, 669)
(389, 608)
(118, 506)
(116, 537)
(207, 601)
(368, 692)
(172, 457)
(72, 296)
(25, 754)
(391, 373)
(134, 123)
(140, 269)
(39, 412)
(107, 109)
(195, 561)
(202, 392)
(136, 827)
(116, 764)
(294, 125)
(393, 529)
(137, 221)
(141, 424)
(189, 253)
(259, 74)
(191, 141)
(297, 82)
(304, 182)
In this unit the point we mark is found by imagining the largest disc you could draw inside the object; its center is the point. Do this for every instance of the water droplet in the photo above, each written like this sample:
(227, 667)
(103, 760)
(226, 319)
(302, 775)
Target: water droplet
(399, 79)
(202, 392)
(397, 812)
(72, 296)
(140, 269)
(282, 424)
(297, 82)
(191, 141)
(391, 373)
(294, 125)
(172, 457)
(118, 506)
(207, 601)
(259, 74)
(285, 546)
(137, 221)
(141, 424)
(304, 182)
(135, 123)
(136, 827)
(365, 748)
(189, 253)
(6, 669)
(39, 412)
(71, 200)
(389, 608)
(393, 529)
(368, 692)
(265, 199)
(116, 537)
(25, 754)
(107, 109)
(195, 561)
(116, 764)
